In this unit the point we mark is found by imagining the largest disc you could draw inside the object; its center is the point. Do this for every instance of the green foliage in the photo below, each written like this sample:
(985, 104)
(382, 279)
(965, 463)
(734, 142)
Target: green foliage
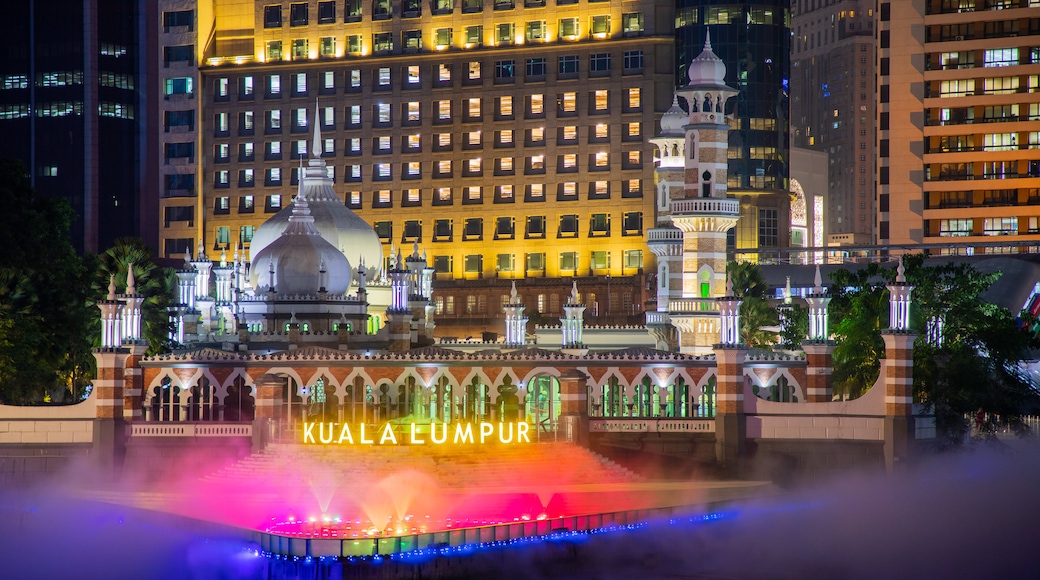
(860, 307)
(794, 326)
(976, 365)
(44, 341)
(755, 312)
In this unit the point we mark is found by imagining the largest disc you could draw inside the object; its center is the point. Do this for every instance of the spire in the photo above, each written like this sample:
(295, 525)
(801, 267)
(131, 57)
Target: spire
(707, 38)
(131, 285)
(787, 289)
(187, 259)
(729, 285)
(112, 287)
(818, 282)
(574, 292)
(316, 144)
(900, 271)
(512, 294)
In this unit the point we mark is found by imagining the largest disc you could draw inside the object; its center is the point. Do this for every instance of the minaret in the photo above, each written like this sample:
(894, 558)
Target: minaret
(203, 301)
(398, 315)
(131, 309)
(516, 322)
(111, 317)
(572, 324)
(702, 212)
(819, 349)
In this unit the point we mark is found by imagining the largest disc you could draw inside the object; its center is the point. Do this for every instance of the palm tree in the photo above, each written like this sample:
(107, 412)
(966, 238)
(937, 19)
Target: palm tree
(755, 313)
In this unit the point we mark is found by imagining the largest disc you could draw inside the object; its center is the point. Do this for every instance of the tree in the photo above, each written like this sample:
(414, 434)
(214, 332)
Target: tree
(44, 325)
(794, 326)
(860, 305)
(755, 312)
(975, 364)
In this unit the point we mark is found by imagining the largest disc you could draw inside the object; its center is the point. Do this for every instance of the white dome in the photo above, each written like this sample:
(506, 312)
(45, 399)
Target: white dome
(340, 226)
(674, 119)
(294, 262)
(707, 69)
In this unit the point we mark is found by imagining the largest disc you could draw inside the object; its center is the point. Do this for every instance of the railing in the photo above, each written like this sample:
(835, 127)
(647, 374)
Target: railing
(693, 305)
(654, 317)
(664, 235)
(169, 429)
(706, 205)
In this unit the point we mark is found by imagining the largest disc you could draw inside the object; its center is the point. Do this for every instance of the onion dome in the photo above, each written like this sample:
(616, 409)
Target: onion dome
(340, 226)
(674, 119)
(707, 69)
(301, 261)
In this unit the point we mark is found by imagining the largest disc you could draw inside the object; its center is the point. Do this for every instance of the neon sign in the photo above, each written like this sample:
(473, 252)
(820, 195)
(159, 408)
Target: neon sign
(439, 434)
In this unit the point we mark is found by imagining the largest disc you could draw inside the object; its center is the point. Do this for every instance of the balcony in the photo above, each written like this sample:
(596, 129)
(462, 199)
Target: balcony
(705, 206)
(683, 305)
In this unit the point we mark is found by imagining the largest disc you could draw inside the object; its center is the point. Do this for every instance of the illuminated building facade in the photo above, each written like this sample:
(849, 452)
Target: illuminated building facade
(959, 122)
(753, 39)
(833, 104)
(507, 139)
(73, 110)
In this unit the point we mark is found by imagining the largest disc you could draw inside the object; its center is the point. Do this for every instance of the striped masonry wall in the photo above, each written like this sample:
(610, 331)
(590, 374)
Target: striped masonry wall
(899, 372)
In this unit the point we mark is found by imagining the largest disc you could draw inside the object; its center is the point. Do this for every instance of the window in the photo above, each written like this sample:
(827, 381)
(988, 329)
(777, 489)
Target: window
(383, 113)
(536, 164)
(222, 205)
(442, 230)
(599, 224)
(221, 89)
(633, 160)
(768, 227)
(536, 67)
(412, 231)
(412, 40)
(299, 48)
(180, 86)
(536, 136)
(632, 224)
(383, 172)
(600, 133)
(413, 170)
(567, 134)
(567, 191)
(274, 85)
(354, 44)
(1001, 226)
(382, 143)
(535, 31)
(442, 40)
(382, 42)
(245, 234)
(505, 262)
(223, 237)
(536, 105)
(327, 46)
(222, 179)
(568, 226)
(600, 101)
(246, 152)
(444, 73)
(272, 16)
(634, 99)
(444, 168)
(221, 153)
(955, 227)
(273, 203)
(535, 228)
(443, 110)
(569, 261)
(600, 161)
(442, 196)
(600, 26)
(504, 33)
(535, 192)
(473, 229)
(474, 39)
(599, 190)
(632, 188)
(474, 265)
(568, 103)
(505, 228)
(473, 108)
(185, 53)
(298, 14)
(632, 23)
(245, 204)
(474, 194)
(299, 84)
(504, 166)
(473, 168)
(273, 177)
(535, 261)
(274, 50)
(505, 69)
(504, 138)
(567, 163)
(504, 193)
(569, 28)
(382, 198)
(600, 260)
(568, 65)
(385, 231)
(999, 57)
(444, 265)
(245, 178)
(327, 12)
(633, 259)
(633, 60)
(354, 116)
(411, 112)
(381, 9)
(443, 142)
(599, 62)
(633, 131)
(220, 123)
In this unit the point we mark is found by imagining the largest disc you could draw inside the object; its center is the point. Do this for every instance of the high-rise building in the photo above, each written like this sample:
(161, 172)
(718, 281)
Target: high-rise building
(753, 38)
(958, 121)
(72, 107)
(506, 138)
(833, 105)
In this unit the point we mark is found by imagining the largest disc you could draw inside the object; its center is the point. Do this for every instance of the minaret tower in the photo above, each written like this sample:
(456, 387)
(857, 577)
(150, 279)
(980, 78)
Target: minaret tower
(701, 212)
(516, 322)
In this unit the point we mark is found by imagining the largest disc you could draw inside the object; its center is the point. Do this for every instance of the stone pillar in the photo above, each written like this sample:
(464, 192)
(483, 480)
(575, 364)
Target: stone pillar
(730, 422)
(268, 417)
(574, 407)
(133, 383)
(109, 443)
(819, 356)
(399, 327)
(899, 396)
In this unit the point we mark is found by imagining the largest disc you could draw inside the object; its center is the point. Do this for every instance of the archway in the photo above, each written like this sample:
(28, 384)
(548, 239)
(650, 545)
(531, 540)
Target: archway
(543, 404)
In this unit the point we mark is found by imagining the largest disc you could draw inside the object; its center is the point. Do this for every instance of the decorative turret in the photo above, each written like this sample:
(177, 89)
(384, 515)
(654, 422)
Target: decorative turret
(399, 286)
(573, 321)
(131, 309)
(111, 317)
(729, 317)
(899, 302)
(819, 349)
(516, 322)
(818, 317)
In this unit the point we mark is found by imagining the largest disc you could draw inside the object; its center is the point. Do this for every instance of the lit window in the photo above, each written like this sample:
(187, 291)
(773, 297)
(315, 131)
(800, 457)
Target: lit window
(569, 133)
(537, 134)
(383, 112)
(413, 75)
(505, 137)
(569, 28)
(473, 138)
(355, 78)
(443, 38)
(570, 161)
(633, 129)
(634, 99)
(568, 102)
(413, 169)
(505, 164)
(444, 73)
(505, 106)
(473, 193)
(536, 31)
(413, 142)
(599, 102)
(535, 192)
(474, 71)
(537, 104)
(600, 25)
(602, 131)
(602, 159)
(444, 110)
(444, 166)
(383, 76)
(444, 139)
(474, 38)
(473, 107)
(473, 165)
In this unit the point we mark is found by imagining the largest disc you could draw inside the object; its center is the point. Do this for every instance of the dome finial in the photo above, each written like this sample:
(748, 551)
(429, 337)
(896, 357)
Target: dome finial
(316, 144)
(131, 284)
(707, 38)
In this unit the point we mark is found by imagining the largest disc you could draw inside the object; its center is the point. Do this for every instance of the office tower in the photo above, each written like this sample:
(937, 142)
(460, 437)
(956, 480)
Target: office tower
(72, 108)
(507, 139)
(754, 40)
(833, 106)
(958, 122)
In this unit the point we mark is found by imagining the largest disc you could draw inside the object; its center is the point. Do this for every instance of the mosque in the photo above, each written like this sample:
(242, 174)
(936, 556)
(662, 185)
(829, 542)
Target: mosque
(311, 335)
